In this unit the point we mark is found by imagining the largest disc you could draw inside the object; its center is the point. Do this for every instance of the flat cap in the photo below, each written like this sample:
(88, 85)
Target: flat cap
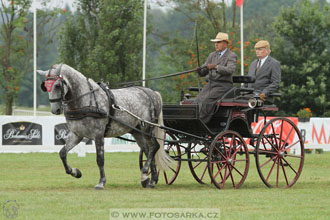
(262, 44)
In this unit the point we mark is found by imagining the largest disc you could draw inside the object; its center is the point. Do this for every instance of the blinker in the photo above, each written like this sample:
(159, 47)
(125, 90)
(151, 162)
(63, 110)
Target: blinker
(43, 87)
(49, 83)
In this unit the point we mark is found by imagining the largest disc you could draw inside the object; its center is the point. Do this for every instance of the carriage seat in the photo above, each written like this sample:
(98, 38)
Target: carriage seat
(187, 98)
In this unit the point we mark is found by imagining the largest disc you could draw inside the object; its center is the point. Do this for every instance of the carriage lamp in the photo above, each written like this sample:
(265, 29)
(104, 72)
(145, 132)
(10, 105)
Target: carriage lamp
(255, 102)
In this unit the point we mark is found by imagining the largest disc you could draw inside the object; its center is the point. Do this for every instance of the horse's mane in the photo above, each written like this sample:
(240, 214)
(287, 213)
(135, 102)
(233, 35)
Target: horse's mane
(72, 76)
(68, 71)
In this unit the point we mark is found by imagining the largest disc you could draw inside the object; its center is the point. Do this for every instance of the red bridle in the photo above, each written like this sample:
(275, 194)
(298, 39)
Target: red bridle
(50, 80)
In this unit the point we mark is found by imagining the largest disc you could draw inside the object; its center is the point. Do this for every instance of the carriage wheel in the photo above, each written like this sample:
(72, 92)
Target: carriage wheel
(228, 160)
(175, 152)
(280, 153)
(197, 161)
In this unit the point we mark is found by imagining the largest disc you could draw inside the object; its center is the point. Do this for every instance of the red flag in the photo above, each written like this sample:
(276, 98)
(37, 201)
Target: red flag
(239, 3)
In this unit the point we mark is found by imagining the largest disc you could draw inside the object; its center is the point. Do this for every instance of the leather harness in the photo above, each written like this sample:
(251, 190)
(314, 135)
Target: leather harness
(93, 111)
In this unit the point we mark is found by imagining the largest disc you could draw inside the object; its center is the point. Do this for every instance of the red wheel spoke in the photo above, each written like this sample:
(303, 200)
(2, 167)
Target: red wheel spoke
(199, 163)
(218, 161)
(290, 166)
(268, 152)
(287, 137)
(203, 173)
(237, 149)
(237, 170)
(263, 142)
(231, 177)
(268, 161)
(281, 134)
(277, 144)
(292, 145)
(219, 171)
(272, 145)
(174, 171)
(278, 171)
(290, 155)
(283, 169)
(231, 144)
(240, 160)
(224, 180)
(165, 176)
(220, 152)
(271, 169)
(224, 147)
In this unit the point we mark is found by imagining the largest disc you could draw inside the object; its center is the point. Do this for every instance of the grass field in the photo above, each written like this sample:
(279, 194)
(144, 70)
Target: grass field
(38, 183)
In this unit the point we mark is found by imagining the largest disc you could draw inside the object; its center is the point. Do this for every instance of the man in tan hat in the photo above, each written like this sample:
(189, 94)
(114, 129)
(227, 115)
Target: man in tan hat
(219, 68)
(266, 70)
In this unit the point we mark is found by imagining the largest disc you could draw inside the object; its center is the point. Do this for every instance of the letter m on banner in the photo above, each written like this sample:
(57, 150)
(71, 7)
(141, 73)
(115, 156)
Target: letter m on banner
(239, 3)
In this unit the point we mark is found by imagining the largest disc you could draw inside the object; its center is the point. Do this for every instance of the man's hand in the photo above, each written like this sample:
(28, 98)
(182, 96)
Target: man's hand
(212, 66)
(202, 71)
(262, 97)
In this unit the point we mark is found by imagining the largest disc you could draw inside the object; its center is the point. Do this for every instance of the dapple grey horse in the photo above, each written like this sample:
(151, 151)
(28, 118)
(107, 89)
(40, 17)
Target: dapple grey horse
(69, 88)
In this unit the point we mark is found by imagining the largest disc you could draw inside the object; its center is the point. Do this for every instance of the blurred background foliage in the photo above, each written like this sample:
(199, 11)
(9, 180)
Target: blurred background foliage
(103, 40)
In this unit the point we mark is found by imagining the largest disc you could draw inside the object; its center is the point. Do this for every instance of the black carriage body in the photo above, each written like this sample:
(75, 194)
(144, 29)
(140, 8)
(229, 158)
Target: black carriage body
(221, 147)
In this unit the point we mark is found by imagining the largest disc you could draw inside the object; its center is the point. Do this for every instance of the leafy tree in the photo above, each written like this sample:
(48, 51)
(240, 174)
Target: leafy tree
(178, 51)
(303, 47)
(103, 40)
(15, 48)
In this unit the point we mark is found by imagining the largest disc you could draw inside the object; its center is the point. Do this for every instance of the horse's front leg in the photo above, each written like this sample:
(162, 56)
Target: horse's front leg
(71, 142)
(99, 143)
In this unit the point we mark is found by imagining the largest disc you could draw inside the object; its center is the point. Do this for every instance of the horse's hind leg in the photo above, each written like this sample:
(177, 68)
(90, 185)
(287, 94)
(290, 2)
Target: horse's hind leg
(99, 143)
(150, 147)
(71, 142)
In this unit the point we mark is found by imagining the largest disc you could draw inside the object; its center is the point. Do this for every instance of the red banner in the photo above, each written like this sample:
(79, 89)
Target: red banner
(239, 3)
(258, 126)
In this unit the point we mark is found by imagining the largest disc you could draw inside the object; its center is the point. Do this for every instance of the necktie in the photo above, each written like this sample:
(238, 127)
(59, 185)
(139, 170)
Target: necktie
(258, 65)
(219, 54)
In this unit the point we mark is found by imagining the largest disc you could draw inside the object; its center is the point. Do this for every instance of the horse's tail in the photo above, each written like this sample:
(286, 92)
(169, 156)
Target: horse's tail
(162, 159)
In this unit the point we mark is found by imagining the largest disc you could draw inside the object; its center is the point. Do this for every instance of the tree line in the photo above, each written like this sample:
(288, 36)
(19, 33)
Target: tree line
(103, 40)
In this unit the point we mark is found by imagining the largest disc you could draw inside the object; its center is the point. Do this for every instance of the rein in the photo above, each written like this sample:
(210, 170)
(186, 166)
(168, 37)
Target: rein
(159, 77)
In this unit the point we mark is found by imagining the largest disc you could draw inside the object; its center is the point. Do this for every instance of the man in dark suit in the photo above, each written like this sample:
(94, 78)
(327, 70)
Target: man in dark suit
(267, 71)
(219, 68)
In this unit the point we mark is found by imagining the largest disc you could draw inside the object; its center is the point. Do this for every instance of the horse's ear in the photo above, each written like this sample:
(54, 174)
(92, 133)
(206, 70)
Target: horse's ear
(41, 72)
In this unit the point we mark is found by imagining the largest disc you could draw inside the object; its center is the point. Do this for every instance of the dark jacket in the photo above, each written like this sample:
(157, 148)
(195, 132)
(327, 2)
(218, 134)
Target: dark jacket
(268, 76)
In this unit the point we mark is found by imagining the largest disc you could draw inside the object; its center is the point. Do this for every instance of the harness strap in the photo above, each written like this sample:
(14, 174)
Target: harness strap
(153, 124)
(111, 100)
(130, 126)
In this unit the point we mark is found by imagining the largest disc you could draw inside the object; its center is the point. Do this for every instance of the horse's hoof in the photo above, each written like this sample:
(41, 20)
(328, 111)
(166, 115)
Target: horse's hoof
(150, 186)
(79, 174)
(145, 182)
(99, 187)
(76, 173)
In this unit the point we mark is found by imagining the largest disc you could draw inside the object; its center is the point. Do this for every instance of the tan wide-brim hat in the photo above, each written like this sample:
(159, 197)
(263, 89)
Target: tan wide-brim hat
(262, 44)
(221, 37)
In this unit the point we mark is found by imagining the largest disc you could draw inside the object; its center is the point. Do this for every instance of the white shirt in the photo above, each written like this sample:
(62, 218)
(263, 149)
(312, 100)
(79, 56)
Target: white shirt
(263, 61)
(222, 53)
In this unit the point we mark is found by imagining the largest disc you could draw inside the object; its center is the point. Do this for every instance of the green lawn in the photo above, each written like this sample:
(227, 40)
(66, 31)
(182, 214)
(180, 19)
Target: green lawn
(42, 190)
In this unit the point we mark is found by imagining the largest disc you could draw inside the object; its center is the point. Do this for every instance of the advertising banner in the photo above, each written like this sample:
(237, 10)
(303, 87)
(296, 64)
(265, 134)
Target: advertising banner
(21, 133)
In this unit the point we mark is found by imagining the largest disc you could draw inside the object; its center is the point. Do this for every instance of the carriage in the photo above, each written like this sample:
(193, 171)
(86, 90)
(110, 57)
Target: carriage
(221, 148)
(220, 152)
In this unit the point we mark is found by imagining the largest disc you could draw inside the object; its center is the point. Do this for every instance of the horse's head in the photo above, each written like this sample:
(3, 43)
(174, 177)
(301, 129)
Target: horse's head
(57, 88)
